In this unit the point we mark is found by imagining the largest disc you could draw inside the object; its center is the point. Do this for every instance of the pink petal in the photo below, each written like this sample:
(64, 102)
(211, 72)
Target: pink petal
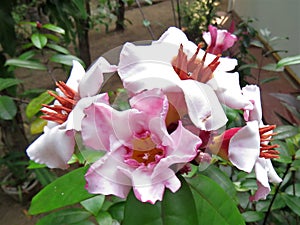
(272, 175)
(93, 79)
(244, 147)
(105, 177)
(53, 148)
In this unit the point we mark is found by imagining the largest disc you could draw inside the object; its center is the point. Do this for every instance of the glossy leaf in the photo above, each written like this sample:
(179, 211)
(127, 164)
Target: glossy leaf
(54, 28)
(175, 208)
(44, 176)
(8, 82)
(214, 206)
(94, 204)
(286, 131)
(35, 104)
(272, 67)
(71, 216)
(292, 60)
(8, 108)
(25, 64)
(65, 59)
(39, 40)
(65, 190)
(221, 178)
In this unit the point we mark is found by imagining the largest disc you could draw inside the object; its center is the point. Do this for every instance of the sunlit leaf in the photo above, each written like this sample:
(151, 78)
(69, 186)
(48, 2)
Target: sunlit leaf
(25, 64)
(58, 48)
(65, 190)
(253, 216)
(8, 108)
(292, 60)
(65, 59)
(104, 218)
(272, 67)
(37, 126)
(35, 104)
(94, 204)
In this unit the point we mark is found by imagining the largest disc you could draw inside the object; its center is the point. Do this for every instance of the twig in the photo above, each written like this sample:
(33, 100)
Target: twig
(174, 14)
(144, 19)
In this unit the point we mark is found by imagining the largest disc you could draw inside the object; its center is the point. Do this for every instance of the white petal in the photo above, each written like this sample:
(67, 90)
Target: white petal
(53, 148)
(252, 93)
(76, 75)
(244, 147)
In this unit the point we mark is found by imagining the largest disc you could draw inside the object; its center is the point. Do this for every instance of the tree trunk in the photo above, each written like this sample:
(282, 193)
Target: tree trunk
(120, 11)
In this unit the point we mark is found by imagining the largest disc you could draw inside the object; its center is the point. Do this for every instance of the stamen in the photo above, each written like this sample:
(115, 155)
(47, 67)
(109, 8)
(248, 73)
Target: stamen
(59, 113)
(267, 151)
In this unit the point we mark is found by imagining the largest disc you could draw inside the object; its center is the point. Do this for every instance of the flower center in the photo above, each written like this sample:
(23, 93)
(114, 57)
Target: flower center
(145, 151)
(59, 113)
(267, 151)
(194, 68)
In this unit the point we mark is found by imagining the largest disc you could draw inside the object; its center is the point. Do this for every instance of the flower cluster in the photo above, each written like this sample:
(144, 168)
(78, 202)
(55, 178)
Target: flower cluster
(175, 117)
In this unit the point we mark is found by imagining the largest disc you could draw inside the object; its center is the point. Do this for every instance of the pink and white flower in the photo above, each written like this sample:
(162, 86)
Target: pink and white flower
(218, 40)
(56, 145)
(140, 153)
(177, 65)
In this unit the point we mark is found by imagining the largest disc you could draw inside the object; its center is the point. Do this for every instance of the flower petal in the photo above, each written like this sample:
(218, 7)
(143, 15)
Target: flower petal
(92, 81)
(252, 93)
(53, 148)
(105, 178)
(244, 147)
(77, 73)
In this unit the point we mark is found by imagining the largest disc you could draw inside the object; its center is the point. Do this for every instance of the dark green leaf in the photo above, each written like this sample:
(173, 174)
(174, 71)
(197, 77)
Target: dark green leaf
(27, 55)
(263, 205)
(117, 210)
(8, 108)
(58, 48)
(65, 59)
(253, 216)
(286, 131)
(214, 206)
(80, 4)
(267, 80)
(54, 28)
(94, 204)
(35, 104)
(289, 61)
(8, 82)
(221, 178)
(25, 64)
(66, 190)
(176, 208)
(72, 216)
(292, 202)
(44, 176)
(39, 40)
(293, 188)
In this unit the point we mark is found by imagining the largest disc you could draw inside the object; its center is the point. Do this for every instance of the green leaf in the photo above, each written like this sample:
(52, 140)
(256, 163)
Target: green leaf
(94, 204)
(253, 216)
(72, 216)
(146, 23)
(44, 176)
(286, 131)
(267, 80)
(54, 28)
(290, 190)
(117, 210)
(37, 126)
(35, 104)
(289, 61)
(221, 178)
(175, 208)
(8, 82)
(29, 64)
(80, 4)
(65, 190)
(39, 40)
(65, 59)
(104, 218)
(27, 55)
(8, 108)
(58, 48)
(272, 67)
(214, 206)
(292, 202)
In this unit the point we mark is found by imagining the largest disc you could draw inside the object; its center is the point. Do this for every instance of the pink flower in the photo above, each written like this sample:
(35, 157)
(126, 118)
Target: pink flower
(140, 153)
(56, 145)
(195, 77)
(247, 147)
(218, 41)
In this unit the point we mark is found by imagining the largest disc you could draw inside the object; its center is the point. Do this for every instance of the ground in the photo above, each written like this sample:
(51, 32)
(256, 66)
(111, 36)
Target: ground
(161, 17)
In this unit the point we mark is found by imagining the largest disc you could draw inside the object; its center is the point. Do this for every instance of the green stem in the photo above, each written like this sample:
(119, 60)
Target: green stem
(275, 195)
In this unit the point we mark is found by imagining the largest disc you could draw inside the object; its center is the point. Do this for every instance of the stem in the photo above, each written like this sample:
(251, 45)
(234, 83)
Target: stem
(275, 195)
(179, 14)
(174, 14)
(144, 19)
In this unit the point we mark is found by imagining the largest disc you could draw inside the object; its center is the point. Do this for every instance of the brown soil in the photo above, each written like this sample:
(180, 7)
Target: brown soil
(161, 17)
